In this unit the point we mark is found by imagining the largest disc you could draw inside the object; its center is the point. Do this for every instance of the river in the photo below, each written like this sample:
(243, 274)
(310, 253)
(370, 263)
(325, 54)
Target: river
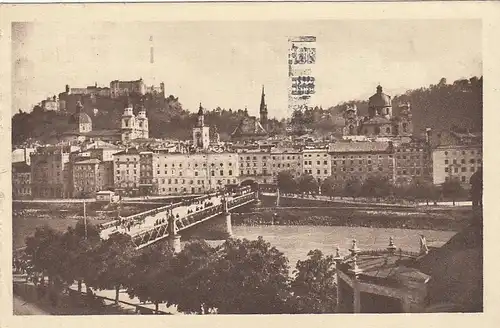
(296, 241)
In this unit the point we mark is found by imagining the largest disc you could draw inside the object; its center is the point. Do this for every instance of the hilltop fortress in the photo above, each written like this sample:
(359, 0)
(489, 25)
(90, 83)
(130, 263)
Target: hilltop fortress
(67, 100)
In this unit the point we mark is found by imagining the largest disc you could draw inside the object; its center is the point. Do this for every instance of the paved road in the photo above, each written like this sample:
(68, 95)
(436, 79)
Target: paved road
(23, 308)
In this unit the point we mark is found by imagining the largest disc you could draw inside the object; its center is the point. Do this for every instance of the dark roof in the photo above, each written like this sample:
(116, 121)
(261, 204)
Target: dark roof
(89, 161)
(103, 133)
(130, 151)
(84, 118)
(456, 269)
(359, 147)
(249, 127)
(379, 99)
(21, 167)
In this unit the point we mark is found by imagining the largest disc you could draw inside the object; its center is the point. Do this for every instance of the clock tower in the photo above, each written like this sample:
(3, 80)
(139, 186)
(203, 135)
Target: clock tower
(201, 135)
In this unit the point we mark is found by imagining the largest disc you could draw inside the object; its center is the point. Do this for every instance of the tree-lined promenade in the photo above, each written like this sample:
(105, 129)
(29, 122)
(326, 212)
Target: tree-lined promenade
(239, 276)
(376, 187)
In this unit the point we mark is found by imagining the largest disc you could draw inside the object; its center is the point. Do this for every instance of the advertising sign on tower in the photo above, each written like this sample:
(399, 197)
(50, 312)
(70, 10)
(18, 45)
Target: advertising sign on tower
(301, 61)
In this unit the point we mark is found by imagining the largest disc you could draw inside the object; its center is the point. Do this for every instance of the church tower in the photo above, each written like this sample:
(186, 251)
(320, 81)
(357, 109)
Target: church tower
(128, 128)
(405, 124)
(201, 132)
(351, 121)
(142, 123)
(263, 110)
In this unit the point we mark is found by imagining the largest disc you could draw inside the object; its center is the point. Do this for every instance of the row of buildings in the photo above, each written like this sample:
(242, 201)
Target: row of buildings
(76, 171)
(80, 166)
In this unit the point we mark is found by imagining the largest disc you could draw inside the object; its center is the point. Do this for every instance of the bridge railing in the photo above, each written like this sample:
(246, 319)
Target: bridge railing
(161, 231)
(154, 211)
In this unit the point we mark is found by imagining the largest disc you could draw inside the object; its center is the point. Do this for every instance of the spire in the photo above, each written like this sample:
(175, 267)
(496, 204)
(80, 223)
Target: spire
(263, 107)
(200, 110)
(379, 89)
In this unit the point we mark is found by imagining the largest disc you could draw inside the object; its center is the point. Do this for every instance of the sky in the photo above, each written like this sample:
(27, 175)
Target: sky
(226, 63)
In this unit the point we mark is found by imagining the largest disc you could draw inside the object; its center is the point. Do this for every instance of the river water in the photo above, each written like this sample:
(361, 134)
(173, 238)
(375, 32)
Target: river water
(296, 241)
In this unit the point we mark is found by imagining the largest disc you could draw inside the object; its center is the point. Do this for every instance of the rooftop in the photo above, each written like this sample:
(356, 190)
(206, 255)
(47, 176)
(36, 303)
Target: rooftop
(359, 147)
(89, 161)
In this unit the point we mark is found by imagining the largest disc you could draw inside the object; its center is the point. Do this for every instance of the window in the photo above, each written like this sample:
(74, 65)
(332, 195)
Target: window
(319, 171)
(463, 178)
(462, 161)
(230, 172)
(472, 169)
(446, 161)
(221, 172)
(456, 170)
(464, 169)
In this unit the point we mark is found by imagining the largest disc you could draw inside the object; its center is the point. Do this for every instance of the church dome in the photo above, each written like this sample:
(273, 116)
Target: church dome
(379, 99)
(83, 118)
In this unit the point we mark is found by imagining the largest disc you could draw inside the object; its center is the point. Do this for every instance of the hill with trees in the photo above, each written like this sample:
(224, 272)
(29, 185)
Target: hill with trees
(440, 106)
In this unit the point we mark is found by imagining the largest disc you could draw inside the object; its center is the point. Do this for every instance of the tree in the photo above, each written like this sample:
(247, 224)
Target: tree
(307, 184)
(47, 253)
(79, 243)
(193, 265)
(286, 182)
(329, 187)
(152, 277)
(452, 189)
(353, 188)
(377, 186)
(313, 287)
(249, 277)
(112, 262)
(422, 190)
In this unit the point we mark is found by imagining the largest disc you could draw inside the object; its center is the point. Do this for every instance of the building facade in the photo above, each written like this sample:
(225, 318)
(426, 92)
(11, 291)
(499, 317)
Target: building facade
(413, 161)
(126, 172)
(317, 162)
(361, 160)
(193, 173)
(50, 172)
(456, 162)
(21, 180)
(91, 176)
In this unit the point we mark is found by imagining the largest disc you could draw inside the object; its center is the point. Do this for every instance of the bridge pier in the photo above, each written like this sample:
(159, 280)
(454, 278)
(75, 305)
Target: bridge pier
(229, 226)
(174, 241)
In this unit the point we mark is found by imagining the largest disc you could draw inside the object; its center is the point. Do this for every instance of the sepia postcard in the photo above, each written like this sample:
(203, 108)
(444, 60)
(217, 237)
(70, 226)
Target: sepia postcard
(296, 163)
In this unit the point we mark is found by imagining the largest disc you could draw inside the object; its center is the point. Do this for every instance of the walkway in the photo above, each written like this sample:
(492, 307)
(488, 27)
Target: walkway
(24, 308)
(149, 222)
(365, 202)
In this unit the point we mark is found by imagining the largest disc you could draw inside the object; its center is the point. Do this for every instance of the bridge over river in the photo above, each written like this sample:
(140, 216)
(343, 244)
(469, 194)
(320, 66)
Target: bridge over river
(170, 221)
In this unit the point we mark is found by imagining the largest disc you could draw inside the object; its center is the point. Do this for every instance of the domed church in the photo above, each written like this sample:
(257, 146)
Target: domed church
(380, 121)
